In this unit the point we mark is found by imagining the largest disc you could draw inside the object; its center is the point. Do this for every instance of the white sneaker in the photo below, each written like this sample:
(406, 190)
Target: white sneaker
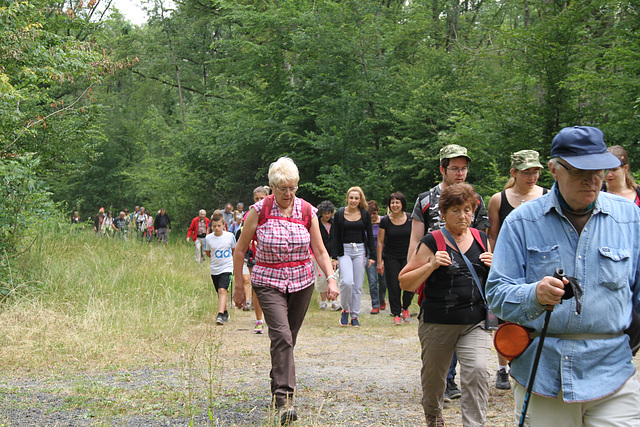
(335, 306)
(323, 305)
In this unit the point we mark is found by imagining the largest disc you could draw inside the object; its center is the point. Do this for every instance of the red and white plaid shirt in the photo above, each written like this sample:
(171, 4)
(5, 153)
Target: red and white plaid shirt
(279, 242)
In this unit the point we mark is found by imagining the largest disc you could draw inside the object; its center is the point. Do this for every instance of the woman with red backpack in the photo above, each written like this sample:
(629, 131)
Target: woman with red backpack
(285, 229)
(452, 264)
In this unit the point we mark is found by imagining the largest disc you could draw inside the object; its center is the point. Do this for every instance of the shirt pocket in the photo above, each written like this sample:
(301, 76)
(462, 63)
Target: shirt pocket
(613, 267)
(543, 261)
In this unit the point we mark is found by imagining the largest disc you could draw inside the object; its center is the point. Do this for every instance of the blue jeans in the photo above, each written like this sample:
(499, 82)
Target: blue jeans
(377, 285)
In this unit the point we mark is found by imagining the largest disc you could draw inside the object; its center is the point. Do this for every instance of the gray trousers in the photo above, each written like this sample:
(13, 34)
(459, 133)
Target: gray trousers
(283, 313)
(162, 234)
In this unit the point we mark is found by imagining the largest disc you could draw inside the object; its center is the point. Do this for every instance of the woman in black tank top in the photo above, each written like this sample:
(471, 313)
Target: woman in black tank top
(521, 187)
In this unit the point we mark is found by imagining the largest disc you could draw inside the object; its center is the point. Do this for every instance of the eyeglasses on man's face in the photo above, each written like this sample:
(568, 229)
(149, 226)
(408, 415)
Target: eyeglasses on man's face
(464, 169)
(580, 174)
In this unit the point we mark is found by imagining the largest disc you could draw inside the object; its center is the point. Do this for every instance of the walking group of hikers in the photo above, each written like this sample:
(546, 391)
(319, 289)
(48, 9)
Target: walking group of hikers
(138, 224)
(472, 268)
(517, 260)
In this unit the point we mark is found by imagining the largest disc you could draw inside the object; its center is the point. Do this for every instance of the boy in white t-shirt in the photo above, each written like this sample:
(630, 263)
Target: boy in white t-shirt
(219, 246)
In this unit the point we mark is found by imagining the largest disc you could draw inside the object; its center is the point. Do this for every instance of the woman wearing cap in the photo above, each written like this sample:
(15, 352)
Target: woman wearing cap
(520, 188)
(619, 180)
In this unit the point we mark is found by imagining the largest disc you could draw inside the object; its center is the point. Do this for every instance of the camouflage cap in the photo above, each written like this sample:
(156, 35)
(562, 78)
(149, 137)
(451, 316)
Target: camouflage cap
(525, 159)
(452, 151)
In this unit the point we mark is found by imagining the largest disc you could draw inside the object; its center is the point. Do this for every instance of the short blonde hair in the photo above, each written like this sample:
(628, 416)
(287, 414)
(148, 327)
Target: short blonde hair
(363, 200)
(283, 170)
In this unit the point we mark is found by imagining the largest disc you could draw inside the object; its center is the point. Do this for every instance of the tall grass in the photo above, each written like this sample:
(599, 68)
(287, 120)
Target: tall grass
(90, 302)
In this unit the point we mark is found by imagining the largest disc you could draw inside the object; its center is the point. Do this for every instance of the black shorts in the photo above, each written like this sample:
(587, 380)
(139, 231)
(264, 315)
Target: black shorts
(221, 281)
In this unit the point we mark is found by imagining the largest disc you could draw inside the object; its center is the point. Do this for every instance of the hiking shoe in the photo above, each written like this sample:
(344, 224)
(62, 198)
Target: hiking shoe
(287, 415)
(355, 323)
(397, 321)
(435, 421)
(323, 305)
(225, 315)
(259, 327)
(220, 320)
(335, 306)
(406, 316)
(344, 318)
(502, 380)
(375, 310)
(452, 391)
(383, 305)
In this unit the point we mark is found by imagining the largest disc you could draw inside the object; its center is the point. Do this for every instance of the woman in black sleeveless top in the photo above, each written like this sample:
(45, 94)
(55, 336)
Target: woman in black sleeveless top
(521, 187)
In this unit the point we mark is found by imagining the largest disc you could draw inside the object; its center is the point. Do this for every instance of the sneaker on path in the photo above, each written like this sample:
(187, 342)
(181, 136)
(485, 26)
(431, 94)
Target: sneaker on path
(323, 305)
(225, 315)
(344, 318)
(220, 319)
(335, 306)
(452, 391)
(383, 305)
(259, 327)
(355, 322)
(375, 310)
(502, 380)
(397, 321)
(406, 316)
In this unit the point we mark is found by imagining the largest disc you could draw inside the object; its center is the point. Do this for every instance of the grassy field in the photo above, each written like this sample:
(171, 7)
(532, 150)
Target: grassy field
(106, 332)
(101, 303)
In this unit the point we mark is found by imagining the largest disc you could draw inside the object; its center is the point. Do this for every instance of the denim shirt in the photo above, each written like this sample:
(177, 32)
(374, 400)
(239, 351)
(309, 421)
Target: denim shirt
(534, 240)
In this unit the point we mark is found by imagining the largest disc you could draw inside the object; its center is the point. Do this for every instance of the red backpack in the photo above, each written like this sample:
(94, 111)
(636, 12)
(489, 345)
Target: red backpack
(265, 214)
(441, 245)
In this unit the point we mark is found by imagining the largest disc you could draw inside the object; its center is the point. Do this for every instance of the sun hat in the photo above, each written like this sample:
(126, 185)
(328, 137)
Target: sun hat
(583, 148)
(525, 159)
(452, 151)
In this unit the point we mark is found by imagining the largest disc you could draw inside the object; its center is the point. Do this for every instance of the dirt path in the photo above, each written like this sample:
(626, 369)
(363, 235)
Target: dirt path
(346, 376)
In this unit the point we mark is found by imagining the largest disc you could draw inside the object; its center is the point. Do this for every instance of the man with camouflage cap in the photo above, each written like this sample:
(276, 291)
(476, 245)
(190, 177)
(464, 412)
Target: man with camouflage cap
(454, 166)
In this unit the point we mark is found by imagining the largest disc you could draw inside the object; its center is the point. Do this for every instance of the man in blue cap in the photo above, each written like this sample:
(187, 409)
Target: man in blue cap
(585, 376)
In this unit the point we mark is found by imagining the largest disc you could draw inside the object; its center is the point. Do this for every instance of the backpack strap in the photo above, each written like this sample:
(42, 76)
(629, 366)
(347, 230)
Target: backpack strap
(267, 205)
(476, 235)
(265, 212)
(440, 243)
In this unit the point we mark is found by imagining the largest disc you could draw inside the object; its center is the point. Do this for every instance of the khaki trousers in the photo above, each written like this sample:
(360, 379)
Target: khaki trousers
(620, 409)
(473, 347)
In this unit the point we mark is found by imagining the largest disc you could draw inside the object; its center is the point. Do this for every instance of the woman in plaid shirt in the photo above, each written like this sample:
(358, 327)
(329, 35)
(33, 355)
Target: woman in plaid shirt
(283, 276)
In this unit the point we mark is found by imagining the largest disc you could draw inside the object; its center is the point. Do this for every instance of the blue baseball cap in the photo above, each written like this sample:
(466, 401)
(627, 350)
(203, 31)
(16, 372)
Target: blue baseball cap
(583, 148)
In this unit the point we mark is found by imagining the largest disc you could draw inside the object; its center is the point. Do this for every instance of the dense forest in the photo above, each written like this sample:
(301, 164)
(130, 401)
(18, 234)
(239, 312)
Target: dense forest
(188, 110)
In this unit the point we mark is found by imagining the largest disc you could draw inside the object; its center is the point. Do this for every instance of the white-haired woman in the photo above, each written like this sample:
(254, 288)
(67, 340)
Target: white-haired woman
(285, 227)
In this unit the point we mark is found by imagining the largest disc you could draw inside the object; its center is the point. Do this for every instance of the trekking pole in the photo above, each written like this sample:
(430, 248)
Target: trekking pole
(571, 289)
(534, 369)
